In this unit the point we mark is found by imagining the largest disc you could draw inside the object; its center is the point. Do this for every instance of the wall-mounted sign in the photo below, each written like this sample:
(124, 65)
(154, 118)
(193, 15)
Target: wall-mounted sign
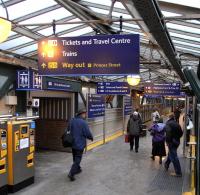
(127, 105)
(95, 105)
(89, 55)
(113, 88)
(164, 89)
(50, 83)
(28, 80)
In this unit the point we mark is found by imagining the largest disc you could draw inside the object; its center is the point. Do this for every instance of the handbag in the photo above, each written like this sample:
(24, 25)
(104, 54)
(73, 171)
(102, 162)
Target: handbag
(127, 140)
(190, 125)
(66, 138)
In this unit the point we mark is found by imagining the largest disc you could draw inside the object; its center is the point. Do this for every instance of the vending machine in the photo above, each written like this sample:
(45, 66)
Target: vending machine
(20, 154)
(3, 158)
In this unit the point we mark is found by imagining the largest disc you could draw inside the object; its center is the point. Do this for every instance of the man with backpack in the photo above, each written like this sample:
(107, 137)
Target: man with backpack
(80, 132)
(173, 135)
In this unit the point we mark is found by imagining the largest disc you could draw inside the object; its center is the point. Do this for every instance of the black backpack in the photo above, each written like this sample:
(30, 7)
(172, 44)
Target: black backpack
(66, 138)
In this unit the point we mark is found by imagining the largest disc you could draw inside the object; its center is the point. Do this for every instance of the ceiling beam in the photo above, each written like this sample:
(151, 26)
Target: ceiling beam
(177, 9)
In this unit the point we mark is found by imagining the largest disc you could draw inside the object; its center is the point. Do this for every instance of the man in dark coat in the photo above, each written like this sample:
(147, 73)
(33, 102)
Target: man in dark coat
(133, 130)
(80, 132)
(173, 135)
(177, 113)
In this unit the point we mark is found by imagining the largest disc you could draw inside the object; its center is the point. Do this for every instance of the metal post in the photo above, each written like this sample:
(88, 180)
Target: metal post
(123, 117)
(185, 125)
(104, 126)
(86, 118)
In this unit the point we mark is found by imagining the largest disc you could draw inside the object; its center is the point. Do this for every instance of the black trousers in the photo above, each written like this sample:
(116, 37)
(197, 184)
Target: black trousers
(77, 157)
(134, 140)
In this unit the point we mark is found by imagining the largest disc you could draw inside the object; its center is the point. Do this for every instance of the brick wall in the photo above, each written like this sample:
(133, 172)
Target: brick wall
(48, 134)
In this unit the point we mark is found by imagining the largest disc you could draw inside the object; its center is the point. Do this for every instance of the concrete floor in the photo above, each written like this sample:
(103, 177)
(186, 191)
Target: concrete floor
(110, 169)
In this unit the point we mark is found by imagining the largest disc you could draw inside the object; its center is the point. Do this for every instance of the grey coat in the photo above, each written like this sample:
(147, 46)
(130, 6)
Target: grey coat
(134, 125)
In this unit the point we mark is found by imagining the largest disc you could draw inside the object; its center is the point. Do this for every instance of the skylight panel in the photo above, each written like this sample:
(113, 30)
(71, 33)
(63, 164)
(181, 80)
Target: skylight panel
(169, 14)
(27, 49)
(184, 36)
(186, 49)
(183, 28)
(48, 17)
(186, 44)
(15, 42)
(26, 7)
(78, 32)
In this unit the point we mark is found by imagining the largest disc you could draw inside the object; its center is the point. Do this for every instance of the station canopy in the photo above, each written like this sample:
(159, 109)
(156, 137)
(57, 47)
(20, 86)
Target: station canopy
(169, 31)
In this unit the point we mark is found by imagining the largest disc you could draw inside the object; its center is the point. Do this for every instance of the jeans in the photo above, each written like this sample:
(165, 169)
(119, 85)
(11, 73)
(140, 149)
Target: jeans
(134, 138)
(77, 156)
(173, 157)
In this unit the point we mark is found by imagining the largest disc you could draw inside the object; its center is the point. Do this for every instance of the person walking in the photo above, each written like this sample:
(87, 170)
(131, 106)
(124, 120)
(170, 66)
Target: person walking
(155, 115)
(173, 135)
(177, 113)
(157, 130)
(80, 132)
(133, 130)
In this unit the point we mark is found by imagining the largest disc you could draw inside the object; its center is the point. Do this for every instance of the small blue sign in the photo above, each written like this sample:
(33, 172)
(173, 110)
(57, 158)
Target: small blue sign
(32, 125)
(163, 89)
(113, 88)
(28, 80)
(59, 86)
(89, 55)
(95, 105)
(128, 108)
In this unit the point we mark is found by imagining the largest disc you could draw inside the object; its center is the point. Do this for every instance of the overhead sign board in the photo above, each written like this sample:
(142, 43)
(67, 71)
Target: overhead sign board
(127, 105)
(28, 80)
(89, 55)
(113, 88)
(164, 89)
(95, 105)
(50, 83)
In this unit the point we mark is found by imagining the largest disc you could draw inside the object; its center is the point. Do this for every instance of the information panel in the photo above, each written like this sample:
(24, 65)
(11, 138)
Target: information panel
(113, 88)
(164, 89)
(89, 55)
(95, 105)
(127, 105)
(28, 80)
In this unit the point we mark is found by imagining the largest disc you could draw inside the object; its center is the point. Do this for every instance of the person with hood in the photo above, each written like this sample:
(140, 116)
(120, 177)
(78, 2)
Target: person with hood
(155, 115)
(133, 130)
(173, 135)
(80, 132)
(158, 140)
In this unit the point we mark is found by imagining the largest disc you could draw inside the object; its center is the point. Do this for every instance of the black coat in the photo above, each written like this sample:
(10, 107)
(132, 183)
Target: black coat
(173, 132)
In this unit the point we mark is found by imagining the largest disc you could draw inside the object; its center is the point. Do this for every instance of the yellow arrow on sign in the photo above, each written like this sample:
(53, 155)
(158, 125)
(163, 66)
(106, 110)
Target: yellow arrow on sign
(43, 65)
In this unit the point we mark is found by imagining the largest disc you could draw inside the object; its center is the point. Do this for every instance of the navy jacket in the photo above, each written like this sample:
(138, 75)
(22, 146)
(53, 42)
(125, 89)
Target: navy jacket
(80, 132)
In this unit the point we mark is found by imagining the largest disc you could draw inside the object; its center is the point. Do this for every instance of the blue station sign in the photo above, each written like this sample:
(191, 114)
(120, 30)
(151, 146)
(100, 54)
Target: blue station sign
(163, 89)
(95, 105)
(113, 88)
(127, 105)
(28, 80)
(89, 55)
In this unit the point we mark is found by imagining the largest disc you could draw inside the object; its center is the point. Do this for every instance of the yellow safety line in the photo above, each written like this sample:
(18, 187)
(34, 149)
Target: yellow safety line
(108, 139)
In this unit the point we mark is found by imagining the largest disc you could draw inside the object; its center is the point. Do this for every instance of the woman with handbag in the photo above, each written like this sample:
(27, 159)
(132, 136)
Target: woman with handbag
(158, 139)
(133, 130)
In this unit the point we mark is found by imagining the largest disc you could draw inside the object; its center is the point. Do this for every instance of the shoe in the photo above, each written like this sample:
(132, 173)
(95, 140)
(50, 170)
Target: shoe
(79, 171)
(153, 157)
(166, 167)
(72, 178)
(176, 175)
(131, 149)
(160, 161)
(136, 151)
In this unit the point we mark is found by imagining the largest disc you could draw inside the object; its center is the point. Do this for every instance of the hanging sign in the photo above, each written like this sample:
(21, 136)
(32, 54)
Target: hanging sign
(28, 80)
(163, 89)
(127, 105)
(89, 55)
(113, 88)
(95, 105)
